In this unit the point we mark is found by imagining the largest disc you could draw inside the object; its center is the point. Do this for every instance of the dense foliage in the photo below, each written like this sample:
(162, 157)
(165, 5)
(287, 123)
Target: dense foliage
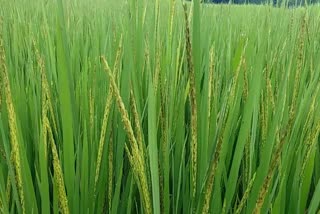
(150, 107)
(278, 3)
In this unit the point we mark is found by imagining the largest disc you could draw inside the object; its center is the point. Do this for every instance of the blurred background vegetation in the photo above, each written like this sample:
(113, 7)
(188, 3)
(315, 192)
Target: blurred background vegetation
(288, 3)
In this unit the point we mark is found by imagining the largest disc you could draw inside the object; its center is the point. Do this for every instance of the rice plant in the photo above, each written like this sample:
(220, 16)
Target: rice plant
(136, 106)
